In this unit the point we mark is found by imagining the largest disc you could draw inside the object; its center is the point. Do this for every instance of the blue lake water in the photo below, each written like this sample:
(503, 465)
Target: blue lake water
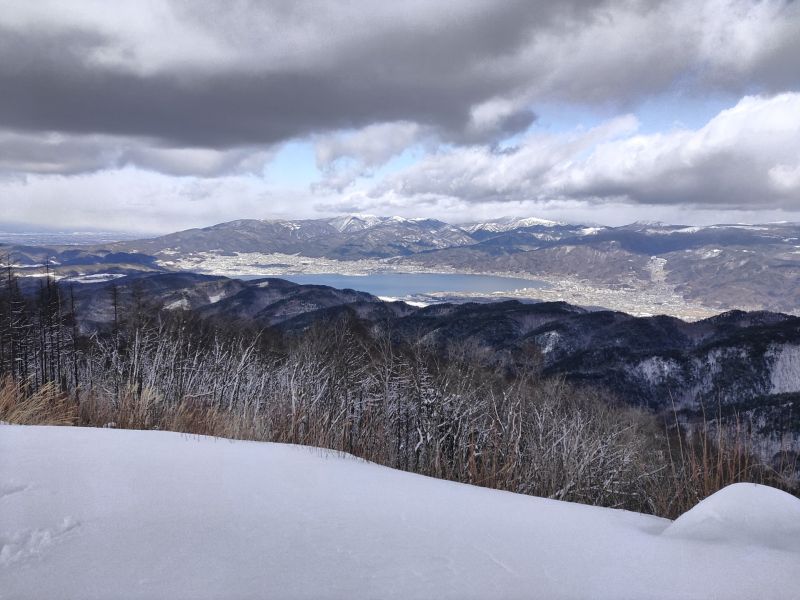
(399, 285)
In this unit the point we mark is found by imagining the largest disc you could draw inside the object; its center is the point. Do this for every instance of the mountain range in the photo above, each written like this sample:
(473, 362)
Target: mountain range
(654, 268)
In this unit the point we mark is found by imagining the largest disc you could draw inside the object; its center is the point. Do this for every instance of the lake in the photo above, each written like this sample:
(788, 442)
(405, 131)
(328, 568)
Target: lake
(400, 285)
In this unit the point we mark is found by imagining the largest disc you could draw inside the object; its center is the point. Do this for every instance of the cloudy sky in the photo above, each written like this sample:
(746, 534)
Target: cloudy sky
(153, 116)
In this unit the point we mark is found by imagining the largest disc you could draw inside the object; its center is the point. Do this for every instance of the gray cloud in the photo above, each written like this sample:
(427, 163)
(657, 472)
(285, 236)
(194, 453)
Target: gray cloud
(60, 78)
(58, 154)
(221, 75)
(157, 111)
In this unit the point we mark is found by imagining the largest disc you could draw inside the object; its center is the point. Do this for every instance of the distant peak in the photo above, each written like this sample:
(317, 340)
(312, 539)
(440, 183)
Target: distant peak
(509, 223)
(355, 222)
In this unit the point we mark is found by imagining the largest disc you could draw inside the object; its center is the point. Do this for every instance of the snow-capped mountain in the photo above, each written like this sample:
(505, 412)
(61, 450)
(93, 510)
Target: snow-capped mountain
(355, 222)
(508, 224)
(346, 237)
(398, 236)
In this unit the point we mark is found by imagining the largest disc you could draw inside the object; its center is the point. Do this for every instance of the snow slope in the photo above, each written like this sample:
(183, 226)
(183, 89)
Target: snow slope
(99, 513)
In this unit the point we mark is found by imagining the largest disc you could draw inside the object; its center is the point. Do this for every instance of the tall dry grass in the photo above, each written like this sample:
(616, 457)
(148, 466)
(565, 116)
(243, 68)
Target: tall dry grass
(712, 454)
(44, 406)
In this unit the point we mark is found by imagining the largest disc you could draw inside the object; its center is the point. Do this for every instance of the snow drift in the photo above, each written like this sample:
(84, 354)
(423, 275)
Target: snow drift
(745, 513)
(94, 513)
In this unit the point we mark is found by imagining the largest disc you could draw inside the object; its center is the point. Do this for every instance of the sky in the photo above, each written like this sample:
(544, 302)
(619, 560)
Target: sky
(155, 116)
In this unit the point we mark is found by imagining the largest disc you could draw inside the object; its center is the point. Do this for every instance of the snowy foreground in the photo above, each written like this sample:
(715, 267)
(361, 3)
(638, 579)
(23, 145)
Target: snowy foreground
(97, 513)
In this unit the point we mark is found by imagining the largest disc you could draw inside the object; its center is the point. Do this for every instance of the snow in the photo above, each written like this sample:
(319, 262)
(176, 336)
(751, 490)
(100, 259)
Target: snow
(548, 341)
(712, 253)
(95, 277)
(355, 222)
(656, 369)
(591, 230)
(531, 221)
(181, 303)
(508, 224)
(785, 369)
(417, 303)
(746, 513)
(103, 513)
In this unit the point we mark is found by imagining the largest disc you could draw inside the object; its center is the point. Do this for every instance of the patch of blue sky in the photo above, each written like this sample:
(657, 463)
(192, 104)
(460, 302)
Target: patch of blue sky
(681, 111)
(294, 165)
(659, 114)
(401, 161)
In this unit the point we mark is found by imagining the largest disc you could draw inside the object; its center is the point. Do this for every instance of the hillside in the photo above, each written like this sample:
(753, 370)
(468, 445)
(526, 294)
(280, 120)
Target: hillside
(102, 513)
(745, 361)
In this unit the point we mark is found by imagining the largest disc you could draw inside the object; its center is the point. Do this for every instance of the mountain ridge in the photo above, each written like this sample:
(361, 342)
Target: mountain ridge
(678, 269)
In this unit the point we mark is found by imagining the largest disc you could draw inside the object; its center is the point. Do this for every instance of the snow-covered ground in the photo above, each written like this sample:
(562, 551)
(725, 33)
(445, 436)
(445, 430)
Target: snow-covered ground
(101, 513)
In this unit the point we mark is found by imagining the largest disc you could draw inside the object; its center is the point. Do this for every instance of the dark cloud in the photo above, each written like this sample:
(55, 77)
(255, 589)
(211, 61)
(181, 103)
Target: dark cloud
(267, 72)
(123, 97)
(51, 83)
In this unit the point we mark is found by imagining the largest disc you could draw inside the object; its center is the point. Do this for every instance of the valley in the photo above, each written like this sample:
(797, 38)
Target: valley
(642, 268)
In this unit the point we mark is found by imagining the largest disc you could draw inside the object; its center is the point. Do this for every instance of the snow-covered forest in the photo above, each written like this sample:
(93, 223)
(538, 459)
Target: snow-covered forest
(359, 390)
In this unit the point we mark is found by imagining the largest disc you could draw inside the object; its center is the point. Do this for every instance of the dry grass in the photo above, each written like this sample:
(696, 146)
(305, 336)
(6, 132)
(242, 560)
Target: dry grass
(45, 406)
(711, 456)
(147, 410)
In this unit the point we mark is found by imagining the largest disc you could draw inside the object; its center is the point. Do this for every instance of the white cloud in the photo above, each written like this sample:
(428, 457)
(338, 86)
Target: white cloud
(344, 157)
(786, 178)
(733, 160)
(738, 159)
(136, 200)
(121, 96)
(371, 146)
(220, 74)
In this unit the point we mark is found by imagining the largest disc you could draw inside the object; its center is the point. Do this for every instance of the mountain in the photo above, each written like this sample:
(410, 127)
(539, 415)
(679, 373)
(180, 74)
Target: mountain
(650, 268)
(508, 224)
(357, 222)
(346, 238)
(719, 267)
(397, 236)
(262, 302)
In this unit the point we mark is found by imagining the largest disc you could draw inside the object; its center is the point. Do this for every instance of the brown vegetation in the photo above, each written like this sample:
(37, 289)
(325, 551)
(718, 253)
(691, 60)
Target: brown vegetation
(47, 405)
